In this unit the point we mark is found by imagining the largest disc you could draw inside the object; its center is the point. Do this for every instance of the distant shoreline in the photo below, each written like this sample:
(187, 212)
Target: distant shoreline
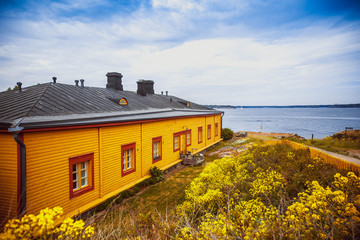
(356, 105)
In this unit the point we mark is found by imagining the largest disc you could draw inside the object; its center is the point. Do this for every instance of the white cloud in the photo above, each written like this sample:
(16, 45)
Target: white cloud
(181, 5)
(229, 61)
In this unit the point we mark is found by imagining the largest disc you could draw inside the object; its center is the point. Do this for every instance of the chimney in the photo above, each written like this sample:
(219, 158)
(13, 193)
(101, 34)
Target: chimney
(114, 80)
(145, 87)
(19, 86)
(162, 93)
(54, 79)
(82, 82)
(77, 83)
(166, 93)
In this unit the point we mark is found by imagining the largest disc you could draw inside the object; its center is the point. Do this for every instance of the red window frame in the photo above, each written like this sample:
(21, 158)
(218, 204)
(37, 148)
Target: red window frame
(216, 129)
(133, 167)
(200, 137)
(209, 131)
(89, 157)
(154, 140)
(178, 134)
(186, 139)
(178, 147)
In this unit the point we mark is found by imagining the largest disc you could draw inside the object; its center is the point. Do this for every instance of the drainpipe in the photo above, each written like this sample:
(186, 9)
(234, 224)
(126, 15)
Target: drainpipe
(23, 168)
(221, 124)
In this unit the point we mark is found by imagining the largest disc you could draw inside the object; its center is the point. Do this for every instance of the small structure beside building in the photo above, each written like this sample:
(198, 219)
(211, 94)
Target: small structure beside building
(75, 146)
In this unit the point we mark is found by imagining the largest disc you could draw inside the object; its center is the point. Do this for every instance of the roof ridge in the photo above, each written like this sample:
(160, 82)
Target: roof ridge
(27, 113)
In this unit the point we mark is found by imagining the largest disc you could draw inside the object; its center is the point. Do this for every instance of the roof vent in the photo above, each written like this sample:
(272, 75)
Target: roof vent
(54, 79)
(145, 87)
(114, 80)
(76, 82)
(19, 86)
(82, 82)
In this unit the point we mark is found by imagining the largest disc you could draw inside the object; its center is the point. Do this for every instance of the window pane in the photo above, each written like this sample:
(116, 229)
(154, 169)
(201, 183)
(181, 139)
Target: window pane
(83, 182)
(124, 160)
(83, 173)
(129, 162)
(83, 165)
(74, 167)
(75, 185)
(75, 176)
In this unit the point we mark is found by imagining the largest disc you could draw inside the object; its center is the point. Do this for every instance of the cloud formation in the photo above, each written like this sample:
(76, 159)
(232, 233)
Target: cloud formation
(210, 52)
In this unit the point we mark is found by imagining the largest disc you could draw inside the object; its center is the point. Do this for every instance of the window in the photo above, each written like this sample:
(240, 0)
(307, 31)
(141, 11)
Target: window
(157, 149)
(128, 159)
(176, 143)
(200, 135)
(188, 138)
(81, 174)
(123, 101)
(182, 139)
(209, 131)
(216, 129)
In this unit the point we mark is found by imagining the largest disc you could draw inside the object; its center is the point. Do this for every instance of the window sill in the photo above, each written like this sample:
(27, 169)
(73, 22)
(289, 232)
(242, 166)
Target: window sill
(156, 159)
(126, 172)
(77, 193)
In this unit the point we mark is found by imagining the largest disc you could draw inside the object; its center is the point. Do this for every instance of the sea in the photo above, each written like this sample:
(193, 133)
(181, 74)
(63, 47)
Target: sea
(305, 122)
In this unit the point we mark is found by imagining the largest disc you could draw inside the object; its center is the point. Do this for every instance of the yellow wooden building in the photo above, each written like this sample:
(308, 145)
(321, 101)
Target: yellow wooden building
(75, 146)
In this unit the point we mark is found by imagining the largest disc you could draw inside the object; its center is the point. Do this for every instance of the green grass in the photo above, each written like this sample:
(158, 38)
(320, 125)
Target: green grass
(150, 213)
(167, 194)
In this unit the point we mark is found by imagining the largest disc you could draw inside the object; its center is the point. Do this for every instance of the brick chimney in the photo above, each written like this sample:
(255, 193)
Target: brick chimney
(145, 87)
(114, 80)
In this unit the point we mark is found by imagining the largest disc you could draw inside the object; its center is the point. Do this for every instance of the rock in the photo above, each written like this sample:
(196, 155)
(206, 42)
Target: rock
(225, 154)
(226, 149)
(213, 153)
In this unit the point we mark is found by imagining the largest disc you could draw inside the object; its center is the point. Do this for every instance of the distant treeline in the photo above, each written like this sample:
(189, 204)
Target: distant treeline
(356, 105)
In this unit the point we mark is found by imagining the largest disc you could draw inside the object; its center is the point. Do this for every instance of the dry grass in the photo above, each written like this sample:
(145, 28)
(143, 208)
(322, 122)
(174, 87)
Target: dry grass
(149, 214)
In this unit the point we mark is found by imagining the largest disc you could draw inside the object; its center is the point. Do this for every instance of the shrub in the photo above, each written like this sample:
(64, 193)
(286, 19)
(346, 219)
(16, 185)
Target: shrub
(248, 197)
(227, 133)
(156, 174)
(43, 226)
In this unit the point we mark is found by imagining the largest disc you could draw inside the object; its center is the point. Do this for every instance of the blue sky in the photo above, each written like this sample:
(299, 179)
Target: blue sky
(244, 52)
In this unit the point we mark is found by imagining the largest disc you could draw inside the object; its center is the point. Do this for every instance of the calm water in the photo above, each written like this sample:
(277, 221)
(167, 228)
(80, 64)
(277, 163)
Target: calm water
(321, 122)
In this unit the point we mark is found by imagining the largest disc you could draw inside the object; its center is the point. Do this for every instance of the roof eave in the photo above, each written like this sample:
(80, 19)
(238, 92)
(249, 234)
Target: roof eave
(29, 123)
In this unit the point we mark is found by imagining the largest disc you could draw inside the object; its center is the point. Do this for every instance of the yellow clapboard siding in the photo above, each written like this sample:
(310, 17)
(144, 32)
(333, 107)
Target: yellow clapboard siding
(48, 156)
(112, 140)
(218, 121)
(166, 129)
(8, 177)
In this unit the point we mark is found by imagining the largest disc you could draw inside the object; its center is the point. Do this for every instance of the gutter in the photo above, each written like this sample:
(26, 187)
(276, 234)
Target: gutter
(22, 197)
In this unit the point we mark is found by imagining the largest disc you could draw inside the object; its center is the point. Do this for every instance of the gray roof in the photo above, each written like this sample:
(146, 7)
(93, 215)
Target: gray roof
(56, 104)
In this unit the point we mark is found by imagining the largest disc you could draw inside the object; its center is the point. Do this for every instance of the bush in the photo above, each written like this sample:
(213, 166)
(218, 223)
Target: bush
(227, 133)
(43, 226)
(156, 174)
(272, 192)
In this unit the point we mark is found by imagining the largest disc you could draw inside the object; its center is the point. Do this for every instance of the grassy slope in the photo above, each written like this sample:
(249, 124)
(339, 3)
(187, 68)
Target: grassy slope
(167, 194)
